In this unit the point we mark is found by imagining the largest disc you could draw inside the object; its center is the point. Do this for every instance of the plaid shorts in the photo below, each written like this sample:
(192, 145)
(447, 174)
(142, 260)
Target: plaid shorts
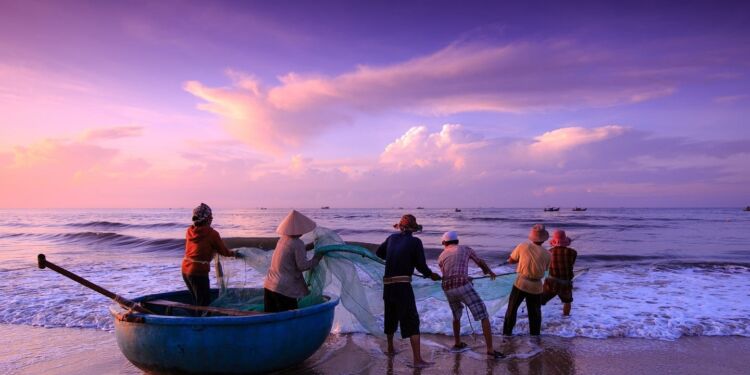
(466, 295)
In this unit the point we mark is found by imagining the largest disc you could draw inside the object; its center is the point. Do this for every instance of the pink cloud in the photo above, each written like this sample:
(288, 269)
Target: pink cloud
(112, 133)
(460, 78)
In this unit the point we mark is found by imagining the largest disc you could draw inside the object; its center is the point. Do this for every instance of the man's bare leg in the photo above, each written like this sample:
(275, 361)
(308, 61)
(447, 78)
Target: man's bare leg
(487, 331)
(417, 352)
(457, 333)
(391, 350)
(566, 309)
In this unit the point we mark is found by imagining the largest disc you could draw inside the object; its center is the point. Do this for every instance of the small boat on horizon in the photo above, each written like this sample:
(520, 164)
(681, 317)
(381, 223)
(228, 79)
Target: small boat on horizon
(551, 209)
(420, 208)
(580, 209)
(325, 208)
(746, 208)
(457, 210)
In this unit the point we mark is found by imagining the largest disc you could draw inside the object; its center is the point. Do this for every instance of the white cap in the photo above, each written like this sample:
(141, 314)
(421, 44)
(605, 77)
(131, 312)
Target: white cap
(450, 236)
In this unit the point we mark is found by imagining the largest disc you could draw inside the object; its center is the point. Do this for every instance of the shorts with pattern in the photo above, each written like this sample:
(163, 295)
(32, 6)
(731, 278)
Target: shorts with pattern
(466, 295)
(553, 288)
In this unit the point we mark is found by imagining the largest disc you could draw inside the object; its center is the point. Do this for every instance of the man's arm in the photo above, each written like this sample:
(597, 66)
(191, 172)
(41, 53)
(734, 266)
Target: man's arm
(421, 263)
(481, 263)
(381, 251)
(514, 255)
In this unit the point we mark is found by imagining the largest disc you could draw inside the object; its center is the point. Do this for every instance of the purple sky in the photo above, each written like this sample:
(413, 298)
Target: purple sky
(347, 104)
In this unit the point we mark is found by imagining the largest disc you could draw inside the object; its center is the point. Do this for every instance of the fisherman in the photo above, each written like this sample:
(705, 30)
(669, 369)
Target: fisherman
(533, 261)
(201, 244)
(402, 253)
(284, 282)
(559, 282)
(454, 264)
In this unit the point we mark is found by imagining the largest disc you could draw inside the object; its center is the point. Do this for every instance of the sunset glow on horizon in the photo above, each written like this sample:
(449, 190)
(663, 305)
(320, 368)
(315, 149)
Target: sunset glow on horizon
(382, 104)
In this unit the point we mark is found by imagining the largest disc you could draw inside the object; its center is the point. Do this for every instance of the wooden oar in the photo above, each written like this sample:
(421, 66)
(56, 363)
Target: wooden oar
(124, 302)
(135, 306)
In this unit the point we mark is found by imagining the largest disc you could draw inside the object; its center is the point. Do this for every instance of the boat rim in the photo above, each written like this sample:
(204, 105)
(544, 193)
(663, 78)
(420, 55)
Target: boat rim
(329, 303)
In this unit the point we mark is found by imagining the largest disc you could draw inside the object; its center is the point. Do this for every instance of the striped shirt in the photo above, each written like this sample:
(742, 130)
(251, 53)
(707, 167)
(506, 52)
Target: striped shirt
(454, 263)
(563, 259)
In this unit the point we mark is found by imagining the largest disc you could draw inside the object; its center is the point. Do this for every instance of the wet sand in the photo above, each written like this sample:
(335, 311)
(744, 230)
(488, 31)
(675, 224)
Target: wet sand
(34, 350)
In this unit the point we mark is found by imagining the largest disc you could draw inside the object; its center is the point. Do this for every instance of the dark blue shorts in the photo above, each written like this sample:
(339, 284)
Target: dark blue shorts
(400, 310)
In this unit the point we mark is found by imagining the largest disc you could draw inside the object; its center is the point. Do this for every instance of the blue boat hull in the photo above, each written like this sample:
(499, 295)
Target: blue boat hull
(222, 344)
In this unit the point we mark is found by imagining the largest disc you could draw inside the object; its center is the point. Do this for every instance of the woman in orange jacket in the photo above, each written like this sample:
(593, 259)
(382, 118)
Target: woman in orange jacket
(201, 244)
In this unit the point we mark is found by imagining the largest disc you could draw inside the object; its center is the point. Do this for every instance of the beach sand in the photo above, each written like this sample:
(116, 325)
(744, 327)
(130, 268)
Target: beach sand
(34, 350)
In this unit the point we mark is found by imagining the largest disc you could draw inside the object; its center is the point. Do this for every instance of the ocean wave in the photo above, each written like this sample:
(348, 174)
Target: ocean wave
(118, 225)
(106, 241)
(652, 302)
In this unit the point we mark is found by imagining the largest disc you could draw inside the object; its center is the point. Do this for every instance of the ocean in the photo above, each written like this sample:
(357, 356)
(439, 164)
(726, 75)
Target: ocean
(652, 273)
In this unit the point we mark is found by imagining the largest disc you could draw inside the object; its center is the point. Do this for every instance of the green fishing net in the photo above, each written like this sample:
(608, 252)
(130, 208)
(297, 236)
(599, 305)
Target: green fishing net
(354, 274)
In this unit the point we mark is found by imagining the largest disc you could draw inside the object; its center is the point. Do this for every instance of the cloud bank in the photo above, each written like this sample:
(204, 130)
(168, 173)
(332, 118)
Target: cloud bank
(463, 77)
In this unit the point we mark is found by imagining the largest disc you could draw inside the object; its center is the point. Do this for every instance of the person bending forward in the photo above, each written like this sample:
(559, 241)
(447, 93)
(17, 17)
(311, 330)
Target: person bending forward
(559, 282)
(454, 263)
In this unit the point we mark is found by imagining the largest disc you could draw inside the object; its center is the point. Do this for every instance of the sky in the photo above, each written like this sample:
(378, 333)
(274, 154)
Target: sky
(374, 104)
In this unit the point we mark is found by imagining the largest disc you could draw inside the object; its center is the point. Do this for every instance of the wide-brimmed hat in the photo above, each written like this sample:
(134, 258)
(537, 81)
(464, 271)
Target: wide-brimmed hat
(295, 224)
(449, 236)
(538, 233)
(560, 239)
(408, 223)
(201, 213)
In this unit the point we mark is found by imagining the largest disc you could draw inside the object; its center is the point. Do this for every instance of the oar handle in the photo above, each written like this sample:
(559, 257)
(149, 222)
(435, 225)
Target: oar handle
(44, 263)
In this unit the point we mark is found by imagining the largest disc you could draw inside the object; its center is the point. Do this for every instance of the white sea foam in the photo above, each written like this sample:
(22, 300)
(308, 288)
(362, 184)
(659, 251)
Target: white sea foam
(647, 302)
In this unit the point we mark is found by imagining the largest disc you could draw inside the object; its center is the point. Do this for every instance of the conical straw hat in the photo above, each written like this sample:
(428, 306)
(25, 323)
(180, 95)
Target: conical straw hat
(295, 224)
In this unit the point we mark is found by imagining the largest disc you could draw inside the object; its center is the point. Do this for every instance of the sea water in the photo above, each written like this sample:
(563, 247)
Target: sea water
(652, 273)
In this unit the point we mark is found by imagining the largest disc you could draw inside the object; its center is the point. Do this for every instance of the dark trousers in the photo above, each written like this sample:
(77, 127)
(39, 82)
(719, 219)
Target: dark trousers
(276, 302)
(400, 310)
(200, 289)
(533, 306)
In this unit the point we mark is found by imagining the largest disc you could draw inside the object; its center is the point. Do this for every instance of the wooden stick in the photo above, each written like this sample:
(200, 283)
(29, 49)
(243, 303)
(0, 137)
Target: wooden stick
(128, 304)
(124, 302)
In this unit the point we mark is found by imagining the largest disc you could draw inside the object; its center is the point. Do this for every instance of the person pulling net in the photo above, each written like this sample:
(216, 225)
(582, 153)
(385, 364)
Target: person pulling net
(355, 274)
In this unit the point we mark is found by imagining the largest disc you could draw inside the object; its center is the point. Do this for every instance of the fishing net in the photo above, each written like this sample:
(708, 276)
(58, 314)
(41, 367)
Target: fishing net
(354, 274)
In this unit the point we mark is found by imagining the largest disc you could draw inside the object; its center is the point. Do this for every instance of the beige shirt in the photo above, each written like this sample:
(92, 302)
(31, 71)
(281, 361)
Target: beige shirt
(285, 274)
(533, 261)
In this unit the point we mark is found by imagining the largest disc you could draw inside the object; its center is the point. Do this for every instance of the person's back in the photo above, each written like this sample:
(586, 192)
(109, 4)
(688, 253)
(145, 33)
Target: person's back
(403, 253)
(562, 260)
(533, 261)
(560, 279)
(459, 292)
(454, 265)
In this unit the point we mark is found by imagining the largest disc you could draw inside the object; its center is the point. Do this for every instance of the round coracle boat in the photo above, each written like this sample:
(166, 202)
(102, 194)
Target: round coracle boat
(180, 343)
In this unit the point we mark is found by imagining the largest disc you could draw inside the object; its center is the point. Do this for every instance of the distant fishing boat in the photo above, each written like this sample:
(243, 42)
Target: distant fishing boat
(457, 210)
(420, 208)
(579, 209)
(551, 209)
(219, 344)
(325, 208)
(746, 208)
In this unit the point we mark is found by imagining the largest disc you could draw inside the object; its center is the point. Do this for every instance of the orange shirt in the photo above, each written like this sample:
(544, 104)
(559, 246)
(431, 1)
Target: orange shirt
(201, 244)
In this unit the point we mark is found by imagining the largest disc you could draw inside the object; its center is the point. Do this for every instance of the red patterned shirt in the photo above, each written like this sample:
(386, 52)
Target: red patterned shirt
(563, 259)
(454, 263)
